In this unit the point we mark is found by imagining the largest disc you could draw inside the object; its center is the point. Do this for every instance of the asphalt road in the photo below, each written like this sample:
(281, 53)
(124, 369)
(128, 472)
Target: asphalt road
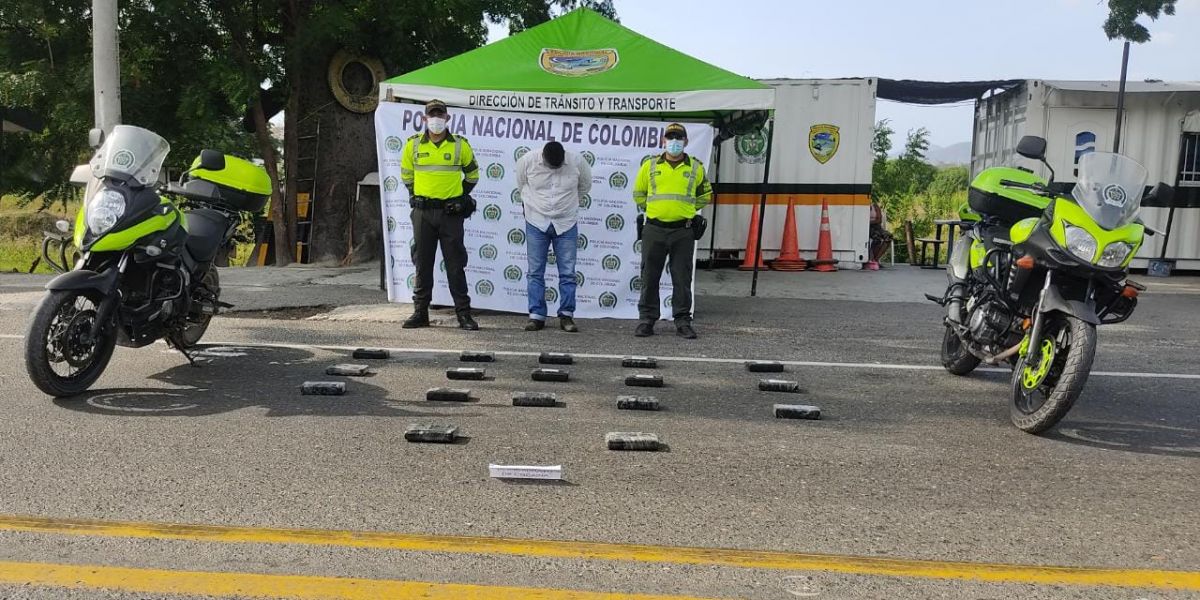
(908, 463)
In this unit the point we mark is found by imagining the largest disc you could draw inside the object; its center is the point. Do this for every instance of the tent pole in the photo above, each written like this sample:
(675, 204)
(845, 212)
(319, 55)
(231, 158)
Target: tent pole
(712, 227)
(762, 204)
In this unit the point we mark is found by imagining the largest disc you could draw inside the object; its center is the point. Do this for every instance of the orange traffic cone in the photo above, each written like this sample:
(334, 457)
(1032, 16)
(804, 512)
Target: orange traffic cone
(825, 262)
(789, 251)
(752, 250)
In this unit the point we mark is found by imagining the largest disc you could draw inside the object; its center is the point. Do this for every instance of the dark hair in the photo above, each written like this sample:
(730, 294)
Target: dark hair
(554, 154)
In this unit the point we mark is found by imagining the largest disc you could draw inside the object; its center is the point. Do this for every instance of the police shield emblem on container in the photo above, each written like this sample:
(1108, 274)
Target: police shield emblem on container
(823, 142)
(577, 63)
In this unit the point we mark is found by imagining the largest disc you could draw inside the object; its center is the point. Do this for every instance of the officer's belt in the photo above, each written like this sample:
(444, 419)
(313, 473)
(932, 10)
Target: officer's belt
(427, 202)
(680, 224)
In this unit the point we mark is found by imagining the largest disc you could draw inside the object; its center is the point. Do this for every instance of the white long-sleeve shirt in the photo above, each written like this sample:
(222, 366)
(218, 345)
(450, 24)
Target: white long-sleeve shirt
(551, 196)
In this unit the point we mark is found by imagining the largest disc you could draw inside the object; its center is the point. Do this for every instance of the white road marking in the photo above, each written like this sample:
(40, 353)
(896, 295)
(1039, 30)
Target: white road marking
(682, 359)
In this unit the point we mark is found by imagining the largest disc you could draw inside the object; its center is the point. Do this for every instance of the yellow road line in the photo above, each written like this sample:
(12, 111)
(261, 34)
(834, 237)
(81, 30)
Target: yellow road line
(753, 559)
(291, 587)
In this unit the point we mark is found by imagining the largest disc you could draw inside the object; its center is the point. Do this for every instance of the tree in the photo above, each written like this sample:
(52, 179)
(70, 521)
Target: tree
(1123, 14)
(917, 144)
(881, 142)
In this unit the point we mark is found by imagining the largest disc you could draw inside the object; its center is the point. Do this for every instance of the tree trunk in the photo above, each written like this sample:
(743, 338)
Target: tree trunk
(291, 155)
(262, 131)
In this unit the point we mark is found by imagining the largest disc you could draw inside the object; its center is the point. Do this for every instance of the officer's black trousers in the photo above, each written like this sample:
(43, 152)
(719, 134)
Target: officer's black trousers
(660, 245)
(431, 226)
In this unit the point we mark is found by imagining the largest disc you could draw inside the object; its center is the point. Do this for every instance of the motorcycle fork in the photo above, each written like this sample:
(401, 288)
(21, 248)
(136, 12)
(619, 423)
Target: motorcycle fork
(1035, 332)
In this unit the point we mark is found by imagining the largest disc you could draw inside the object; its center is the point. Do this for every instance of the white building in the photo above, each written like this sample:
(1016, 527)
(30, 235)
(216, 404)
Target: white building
(1160, 129)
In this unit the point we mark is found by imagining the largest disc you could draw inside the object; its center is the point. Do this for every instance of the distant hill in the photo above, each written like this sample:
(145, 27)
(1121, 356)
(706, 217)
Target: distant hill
(954, 154)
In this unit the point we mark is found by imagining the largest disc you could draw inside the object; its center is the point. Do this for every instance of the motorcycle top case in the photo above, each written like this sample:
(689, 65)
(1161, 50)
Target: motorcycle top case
(987, 196)
(241, 185)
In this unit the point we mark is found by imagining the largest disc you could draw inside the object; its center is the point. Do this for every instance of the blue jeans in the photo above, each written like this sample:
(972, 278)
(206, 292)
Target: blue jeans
(564, 254)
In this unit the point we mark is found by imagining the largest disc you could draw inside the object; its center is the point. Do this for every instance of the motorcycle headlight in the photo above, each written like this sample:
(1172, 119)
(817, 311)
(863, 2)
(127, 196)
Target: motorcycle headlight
(104, 210)
(1081, 243)
(1114, 254)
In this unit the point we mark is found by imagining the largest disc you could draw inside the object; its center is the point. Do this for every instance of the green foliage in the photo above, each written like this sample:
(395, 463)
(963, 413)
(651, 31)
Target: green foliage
(910, 189)
(1123, 14)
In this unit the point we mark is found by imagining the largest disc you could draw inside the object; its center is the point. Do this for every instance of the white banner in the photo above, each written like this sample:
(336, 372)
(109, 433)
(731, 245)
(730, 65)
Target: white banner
(608, 263)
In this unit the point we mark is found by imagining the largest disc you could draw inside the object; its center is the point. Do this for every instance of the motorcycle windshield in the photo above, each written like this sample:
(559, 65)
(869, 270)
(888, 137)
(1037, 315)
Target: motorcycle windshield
(131, 152)
(1110, 188)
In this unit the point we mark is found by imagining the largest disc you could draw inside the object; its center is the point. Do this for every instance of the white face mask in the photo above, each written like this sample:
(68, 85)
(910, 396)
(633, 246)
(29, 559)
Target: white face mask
(436, 125)
(674, 147)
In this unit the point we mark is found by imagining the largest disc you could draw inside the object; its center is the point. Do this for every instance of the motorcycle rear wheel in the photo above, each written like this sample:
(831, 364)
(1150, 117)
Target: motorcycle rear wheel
(1042, 395)
(955, 356)
(59, 358)
(191, 334)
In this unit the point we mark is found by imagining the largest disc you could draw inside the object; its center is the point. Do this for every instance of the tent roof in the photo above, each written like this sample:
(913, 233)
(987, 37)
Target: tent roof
(583, 62)
(939, 92)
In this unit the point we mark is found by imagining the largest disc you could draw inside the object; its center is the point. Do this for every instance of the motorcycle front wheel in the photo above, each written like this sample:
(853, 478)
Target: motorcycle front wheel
(1049, 379)
(60, 356)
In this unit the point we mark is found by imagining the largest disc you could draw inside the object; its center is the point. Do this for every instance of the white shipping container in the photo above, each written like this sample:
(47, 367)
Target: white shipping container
(1160, 129)
(821, 151)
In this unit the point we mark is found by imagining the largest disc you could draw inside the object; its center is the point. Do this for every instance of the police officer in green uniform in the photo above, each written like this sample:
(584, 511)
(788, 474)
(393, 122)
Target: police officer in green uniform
(670, 189)
(439, 170)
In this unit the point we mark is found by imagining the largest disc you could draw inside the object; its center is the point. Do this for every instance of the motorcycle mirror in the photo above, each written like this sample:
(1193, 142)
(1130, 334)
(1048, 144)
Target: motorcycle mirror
(1162, 194)
(95, 137)
(212, 160)
(62, 226)
(1032, 146)
(82, 175)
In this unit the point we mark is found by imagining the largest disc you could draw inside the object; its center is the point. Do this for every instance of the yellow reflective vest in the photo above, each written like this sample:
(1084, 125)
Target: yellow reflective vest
(669, 193)
(437, 170)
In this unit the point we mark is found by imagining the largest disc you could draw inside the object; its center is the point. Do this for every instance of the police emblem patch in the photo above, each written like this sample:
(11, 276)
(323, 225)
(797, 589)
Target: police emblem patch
(823, 141)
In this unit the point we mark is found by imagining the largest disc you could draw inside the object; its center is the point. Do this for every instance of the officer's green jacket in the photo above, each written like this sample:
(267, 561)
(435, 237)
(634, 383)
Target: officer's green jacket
(438, 170)
(669, 193)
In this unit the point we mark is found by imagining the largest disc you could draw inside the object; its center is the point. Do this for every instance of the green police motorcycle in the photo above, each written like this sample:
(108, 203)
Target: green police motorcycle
(148, 258)
(1037, 271)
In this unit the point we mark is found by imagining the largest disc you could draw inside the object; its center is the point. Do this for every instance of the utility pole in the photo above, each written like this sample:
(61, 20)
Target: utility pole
(1121, 99)
(106, 68)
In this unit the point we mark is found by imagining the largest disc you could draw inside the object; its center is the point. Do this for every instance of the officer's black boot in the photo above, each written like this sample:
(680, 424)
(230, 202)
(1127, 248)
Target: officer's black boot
(466, 322)
(683, 328)
(419, 318)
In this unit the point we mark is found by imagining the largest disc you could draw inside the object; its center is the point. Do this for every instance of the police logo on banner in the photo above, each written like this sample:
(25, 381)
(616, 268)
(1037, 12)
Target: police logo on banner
(488, 252)
(577, 63)
(411, 280)
(551, 259)
(495, 171)
(391, 225)
(442, 266)
(614, 222)
(637, 247)
(608, 300)
(823, 141)
(751, 148)
(520, 151)
(492, 212)
(484, 287)
(551, 295)
(516, 237)
(589, 157)
(412, 243)
(515, 196)
(585, 202)
(390, 184)
(610, 262)
(512, 273)
(393, 144)
(618, 181)
(579, 279)
(667, 301)
(635, 283)
(582, 242)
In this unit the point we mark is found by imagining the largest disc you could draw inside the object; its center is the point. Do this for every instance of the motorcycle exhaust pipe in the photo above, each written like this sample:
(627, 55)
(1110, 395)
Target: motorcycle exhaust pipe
(1004, 355)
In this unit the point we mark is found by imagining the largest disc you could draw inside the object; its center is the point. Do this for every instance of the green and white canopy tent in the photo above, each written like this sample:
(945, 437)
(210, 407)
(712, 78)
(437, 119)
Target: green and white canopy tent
(584, 63)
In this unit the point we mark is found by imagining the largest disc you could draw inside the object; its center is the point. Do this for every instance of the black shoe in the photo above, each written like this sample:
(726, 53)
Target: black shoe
(419, 318)
(644, 329)
(684, 329)
(567, 324)
(535, 325)
(466, 322)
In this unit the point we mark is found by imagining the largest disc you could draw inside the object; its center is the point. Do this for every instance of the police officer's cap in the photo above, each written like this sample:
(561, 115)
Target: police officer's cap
(433, 105)
(676, 128)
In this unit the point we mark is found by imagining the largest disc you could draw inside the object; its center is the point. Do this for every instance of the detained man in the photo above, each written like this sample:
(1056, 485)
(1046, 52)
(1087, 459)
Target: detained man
(551, 183)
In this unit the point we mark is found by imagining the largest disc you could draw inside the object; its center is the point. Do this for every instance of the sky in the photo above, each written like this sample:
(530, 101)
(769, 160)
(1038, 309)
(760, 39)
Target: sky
(941, 40)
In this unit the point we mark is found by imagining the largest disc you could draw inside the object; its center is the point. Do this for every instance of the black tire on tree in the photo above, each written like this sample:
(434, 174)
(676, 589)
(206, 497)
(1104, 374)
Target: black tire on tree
(955, 356)
(1072, 374)
(37, 356)
(190, 336)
